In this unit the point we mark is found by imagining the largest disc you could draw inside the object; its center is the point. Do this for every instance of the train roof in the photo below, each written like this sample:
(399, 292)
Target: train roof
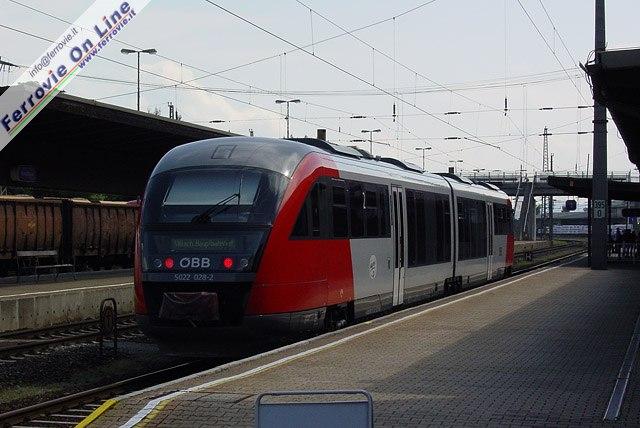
(284, 155)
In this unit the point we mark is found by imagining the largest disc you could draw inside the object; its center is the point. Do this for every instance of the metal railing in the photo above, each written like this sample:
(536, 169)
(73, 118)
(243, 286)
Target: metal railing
(514, 177)
(623, 252)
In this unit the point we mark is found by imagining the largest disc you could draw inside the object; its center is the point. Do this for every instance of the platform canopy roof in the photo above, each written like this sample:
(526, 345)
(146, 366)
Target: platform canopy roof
(83, 145)
(618, 74)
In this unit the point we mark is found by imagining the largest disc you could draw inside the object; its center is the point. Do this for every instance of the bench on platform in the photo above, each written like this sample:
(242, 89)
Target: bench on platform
(30, 260)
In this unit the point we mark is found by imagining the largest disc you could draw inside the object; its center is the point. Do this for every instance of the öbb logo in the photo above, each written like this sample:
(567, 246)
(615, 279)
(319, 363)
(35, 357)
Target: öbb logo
(195, 262)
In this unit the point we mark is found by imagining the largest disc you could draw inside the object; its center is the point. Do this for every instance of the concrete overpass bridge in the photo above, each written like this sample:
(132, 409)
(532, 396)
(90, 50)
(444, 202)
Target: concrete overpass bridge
(524, 188)
(512, 182)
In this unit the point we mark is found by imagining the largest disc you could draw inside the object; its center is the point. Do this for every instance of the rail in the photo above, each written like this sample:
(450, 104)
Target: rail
(66, 410)
(41, 339)
(530, 255)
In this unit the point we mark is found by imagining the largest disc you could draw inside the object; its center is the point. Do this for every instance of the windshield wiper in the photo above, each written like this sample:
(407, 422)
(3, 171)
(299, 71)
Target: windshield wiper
(211, 211)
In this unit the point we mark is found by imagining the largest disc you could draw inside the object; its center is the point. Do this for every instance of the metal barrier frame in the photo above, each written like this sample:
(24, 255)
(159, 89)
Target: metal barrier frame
(623, 252)
(311, 393)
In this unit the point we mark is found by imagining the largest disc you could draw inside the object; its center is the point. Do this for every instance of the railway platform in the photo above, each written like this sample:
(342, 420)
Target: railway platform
(33, 305)
(543, 348)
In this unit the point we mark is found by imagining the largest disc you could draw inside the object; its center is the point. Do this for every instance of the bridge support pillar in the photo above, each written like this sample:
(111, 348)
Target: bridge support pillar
(530, 229)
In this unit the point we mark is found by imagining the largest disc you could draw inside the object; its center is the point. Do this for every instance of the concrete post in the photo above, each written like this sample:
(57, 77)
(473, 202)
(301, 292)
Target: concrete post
(551, 219)
(600, 190)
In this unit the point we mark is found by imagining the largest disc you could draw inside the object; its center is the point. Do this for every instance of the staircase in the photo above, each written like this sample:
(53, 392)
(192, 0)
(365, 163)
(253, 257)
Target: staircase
(524, 212)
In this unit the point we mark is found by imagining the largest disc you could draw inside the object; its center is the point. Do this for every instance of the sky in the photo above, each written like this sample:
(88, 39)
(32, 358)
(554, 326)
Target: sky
(461, 56)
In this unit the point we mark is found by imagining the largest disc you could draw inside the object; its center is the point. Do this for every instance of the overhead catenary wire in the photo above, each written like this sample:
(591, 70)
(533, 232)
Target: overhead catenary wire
(117, 40)
(555, 29)
(241, 101)
(208, 73)
(337, 67)
(252, 90)
(252, 62)
(339, 131)
(181, 64)
(210, 90)
(550, 48)
(394, 59)
(177, 81)
(395, 78)
(222, 95)
(419, 6)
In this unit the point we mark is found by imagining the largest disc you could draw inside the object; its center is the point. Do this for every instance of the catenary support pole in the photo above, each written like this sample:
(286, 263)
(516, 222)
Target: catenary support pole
(600, 190)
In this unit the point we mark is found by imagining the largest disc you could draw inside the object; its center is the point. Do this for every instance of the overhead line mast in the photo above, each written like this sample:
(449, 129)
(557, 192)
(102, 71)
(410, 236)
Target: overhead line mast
(599, 232)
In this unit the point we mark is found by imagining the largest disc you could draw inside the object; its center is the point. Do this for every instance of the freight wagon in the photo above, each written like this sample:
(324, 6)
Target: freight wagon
(89, 234)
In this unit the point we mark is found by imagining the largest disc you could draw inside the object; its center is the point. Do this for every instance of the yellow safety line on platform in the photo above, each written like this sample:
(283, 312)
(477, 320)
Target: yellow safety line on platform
(96, 413)
(159, 408)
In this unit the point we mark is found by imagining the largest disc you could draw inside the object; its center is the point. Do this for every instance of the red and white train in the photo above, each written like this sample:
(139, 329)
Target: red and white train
(303, 235)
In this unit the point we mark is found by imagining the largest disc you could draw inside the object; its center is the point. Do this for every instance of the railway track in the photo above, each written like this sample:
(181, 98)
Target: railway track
(530, 256)
(27, 344)
(70, 410)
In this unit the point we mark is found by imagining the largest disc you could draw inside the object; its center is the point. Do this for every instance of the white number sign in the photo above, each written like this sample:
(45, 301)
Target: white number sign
(599, 209)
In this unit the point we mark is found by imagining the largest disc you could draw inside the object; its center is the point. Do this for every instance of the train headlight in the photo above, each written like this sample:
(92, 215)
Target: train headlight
(244, 263)
(157, 263)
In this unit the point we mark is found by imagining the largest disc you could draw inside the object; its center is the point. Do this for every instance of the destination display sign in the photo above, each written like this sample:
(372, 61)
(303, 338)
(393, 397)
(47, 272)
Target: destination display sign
(225, 243)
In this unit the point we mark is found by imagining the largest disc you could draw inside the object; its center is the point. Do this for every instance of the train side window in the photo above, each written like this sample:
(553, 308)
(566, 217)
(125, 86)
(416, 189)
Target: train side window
(421, 229)
(429, 228)
(433, 228)
(339, 212)
(311, 219)
(356, 206)
(481, 243)
(502, 219)
(472, 229)
(301, 228)
(443, 221)
(372, 214)
(316, 195)
(463, 230)
(412, 237)
(498, 219)
(384, 213)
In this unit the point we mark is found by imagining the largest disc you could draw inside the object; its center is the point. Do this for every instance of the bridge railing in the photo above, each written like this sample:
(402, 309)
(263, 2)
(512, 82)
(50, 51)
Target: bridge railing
(623, 252)
(514, 177)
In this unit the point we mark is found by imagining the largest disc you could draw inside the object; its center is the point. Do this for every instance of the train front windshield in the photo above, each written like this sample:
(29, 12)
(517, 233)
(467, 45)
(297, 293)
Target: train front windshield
(201, 196)
(221, 213)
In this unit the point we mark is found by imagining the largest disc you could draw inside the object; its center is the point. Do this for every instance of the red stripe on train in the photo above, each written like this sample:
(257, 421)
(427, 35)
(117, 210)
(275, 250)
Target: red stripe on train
(295, 275)
(510, 242)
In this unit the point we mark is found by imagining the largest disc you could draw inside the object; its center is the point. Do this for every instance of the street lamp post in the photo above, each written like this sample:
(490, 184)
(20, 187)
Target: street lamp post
(147, 51)
(424, 149)
(364, 131)
(287, 116)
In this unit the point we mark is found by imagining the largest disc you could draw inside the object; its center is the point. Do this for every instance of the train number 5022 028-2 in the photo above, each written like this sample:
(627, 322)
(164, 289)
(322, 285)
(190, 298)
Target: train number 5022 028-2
(193, 277)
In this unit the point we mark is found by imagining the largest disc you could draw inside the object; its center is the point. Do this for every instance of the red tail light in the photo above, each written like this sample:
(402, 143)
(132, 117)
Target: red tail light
(227, 262)
(169, 263)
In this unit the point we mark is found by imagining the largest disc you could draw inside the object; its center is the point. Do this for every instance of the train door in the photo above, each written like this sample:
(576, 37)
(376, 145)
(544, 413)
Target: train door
(399, 237)
(490, 234)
